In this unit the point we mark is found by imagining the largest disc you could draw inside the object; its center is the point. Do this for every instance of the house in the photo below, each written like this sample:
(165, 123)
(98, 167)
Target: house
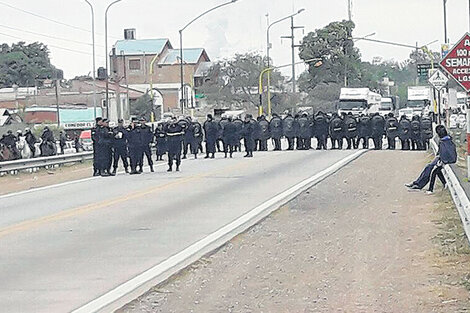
(130, 64)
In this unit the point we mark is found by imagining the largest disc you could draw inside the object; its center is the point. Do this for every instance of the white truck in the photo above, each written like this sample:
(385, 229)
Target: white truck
(419, 101)
(358, 101)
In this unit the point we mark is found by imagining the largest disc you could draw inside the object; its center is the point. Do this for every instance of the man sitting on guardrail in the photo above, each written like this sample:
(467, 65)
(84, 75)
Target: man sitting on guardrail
(447, 154)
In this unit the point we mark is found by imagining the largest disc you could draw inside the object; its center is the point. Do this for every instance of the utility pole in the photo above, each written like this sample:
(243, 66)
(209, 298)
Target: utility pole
(350, 10)
(445, 21)
(57, 82)
(293, 46)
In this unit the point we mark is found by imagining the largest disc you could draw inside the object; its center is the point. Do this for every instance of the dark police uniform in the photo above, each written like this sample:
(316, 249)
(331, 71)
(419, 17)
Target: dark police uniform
(391, 129)
(378, 129)
(404, 132)
(321, 130)
(174, 133)
(275, 129)
(288, 126)
(336, 131)
(364, 131)
(134, 141)
(120, 148)
(211, 131)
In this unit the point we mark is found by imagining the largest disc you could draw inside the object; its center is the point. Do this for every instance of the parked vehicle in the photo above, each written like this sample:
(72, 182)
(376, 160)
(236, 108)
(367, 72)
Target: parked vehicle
(358, 101)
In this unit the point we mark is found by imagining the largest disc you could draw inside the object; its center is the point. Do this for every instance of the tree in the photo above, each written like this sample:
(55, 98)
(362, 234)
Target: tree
(23, 64)
(236, 80)
(143, 107)
(334, 45)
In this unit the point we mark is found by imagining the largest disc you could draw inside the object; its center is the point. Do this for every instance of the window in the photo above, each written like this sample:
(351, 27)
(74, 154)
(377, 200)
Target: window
(134, 65)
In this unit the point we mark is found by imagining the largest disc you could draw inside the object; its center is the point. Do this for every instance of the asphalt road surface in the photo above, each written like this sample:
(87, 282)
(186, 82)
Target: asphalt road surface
(64, 246)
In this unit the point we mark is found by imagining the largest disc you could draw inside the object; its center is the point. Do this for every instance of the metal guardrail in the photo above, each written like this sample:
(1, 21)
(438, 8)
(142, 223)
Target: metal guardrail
(458, 194)
(25, 164)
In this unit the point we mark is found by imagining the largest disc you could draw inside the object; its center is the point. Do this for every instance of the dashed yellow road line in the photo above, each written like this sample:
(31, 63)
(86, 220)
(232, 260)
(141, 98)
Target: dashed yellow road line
(28, 225)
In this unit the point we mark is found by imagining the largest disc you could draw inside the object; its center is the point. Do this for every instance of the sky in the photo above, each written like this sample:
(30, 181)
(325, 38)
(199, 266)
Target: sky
(65, 26)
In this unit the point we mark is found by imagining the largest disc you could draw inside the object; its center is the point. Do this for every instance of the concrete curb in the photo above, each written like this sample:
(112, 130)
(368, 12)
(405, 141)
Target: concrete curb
(458, 194)
(132, 289)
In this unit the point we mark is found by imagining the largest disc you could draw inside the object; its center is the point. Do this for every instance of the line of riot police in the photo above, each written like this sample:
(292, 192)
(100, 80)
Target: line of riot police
(183, 137)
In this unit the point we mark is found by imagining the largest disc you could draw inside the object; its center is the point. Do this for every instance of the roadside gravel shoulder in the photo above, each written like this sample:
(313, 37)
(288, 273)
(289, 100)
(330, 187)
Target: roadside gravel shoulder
(357, 242)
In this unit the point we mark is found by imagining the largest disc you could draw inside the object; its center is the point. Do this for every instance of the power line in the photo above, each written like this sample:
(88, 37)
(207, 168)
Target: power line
(53, 46)
(47, 18)
(47, 36)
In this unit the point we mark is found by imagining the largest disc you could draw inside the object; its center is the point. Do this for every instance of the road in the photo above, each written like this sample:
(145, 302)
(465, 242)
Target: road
(64, 246)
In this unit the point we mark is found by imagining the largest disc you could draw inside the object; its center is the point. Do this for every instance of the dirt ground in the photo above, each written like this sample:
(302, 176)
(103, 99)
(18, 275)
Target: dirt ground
(356, 242)
(25, 181)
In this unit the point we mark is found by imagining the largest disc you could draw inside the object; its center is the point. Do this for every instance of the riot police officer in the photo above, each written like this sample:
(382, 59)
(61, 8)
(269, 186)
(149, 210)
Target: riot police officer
(188, 137)
(426, 132)
(248, 135)
(364, 131)
(350, 125)
(336, 131)
(265, 133)
(160, 139)
(288, 126)
(415, 135)
(321, 130)
(120, 146)
(304, 133)
(229, 136)
(147, 139)
(174, 133)
(211, 131)
(404, 132)
(198, 137)
(391, 129)
(134, 141)
(275, 129)
(378, 130)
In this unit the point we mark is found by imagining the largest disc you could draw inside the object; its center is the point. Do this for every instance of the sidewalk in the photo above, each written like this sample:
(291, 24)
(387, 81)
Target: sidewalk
(357, 242)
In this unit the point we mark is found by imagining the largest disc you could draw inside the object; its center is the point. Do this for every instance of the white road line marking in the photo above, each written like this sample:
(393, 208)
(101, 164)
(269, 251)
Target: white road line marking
(18, 193)
(170, 263)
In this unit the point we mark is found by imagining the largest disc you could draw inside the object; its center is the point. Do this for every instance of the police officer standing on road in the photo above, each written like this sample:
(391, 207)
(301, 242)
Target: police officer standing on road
(187, 125)
(265, 133)
(229, 136)
(198, 138)
(404, 132)
(364, 131)
(175, 134)
(211, 131)
(104, 148)
(350, 124)
(321, 130)
(288, 126)
(426, 132)
(304, 133)
(160, 138)
(147, 139)
(134, 141)
(391, 129)
(275, 129)
(336, 131)
(120, 146)
(415, 135)
(94, 139)
(248, 135)
(378, 130)
(239, 126)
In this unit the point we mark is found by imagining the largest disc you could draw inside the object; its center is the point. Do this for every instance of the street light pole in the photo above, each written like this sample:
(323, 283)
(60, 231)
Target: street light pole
(268, 47)
(107, 53)
(181, 47)
(94, 54)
